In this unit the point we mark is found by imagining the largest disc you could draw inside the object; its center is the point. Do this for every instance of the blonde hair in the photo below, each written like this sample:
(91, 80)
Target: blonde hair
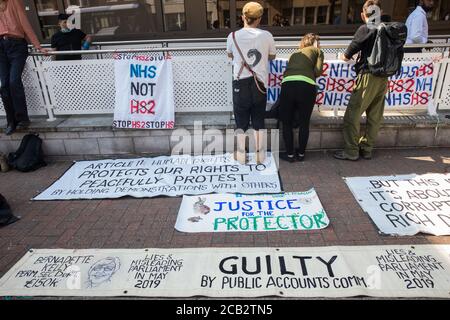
(308, 40)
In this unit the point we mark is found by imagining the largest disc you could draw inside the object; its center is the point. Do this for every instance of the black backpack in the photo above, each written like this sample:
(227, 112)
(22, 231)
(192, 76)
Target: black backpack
(6, 215)
(387, 53)
(29, 156)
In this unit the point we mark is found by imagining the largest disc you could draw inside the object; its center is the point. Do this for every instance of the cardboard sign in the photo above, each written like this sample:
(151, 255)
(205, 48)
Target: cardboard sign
(405, 205)
(412, 87)
(144, 93)
(169, 176)
(251, 213)
(376, 271)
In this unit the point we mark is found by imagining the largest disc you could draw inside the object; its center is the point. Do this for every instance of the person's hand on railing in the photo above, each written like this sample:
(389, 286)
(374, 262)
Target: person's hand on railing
(43, 50)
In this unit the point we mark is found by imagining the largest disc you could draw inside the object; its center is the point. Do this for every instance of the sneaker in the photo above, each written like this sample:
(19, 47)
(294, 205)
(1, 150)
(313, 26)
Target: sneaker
(10, 130)
(341, 155)
(300, 157)
(289, 158)
(365, 155)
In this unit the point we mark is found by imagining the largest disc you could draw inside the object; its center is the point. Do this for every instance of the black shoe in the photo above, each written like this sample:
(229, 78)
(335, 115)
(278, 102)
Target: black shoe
(10, 130)
(365, 155)
(289, 158)
(24, 124)
(341, 155)
(300, 157)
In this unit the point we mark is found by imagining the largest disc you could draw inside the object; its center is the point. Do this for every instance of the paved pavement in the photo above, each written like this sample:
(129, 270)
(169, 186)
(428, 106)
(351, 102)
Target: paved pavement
(137, 223)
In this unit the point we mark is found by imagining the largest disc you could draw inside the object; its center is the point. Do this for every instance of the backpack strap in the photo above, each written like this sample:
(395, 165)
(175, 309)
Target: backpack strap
(244, 64)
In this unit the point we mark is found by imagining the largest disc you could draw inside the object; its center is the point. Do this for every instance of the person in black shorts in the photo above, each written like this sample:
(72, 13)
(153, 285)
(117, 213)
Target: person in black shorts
(68, 39)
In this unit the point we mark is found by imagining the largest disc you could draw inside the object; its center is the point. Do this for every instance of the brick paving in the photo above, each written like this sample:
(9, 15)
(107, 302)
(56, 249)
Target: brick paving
(137, 223)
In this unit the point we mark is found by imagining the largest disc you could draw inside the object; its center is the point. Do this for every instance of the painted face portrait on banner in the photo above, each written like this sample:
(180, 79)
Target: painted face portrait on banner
(102, 271)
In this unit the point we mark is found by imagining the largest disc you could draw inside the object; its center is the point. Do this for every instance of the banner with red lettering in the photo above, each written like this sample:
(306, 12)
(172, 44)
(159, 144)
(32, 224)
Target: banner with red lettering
(411, 88)
(144, 93)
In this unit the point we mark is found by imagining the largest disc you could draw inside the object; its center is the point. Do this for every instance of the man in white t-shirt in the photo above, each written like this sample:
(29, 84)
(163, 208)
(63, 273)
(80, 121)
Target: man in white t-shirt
(249, 86)
(417, 24)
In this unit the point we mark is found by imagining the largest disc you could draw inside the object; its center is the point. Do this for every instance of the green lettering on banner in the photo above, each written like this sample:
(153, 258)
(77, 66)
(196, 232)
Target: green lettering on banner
(231, 223)
(267, 224)
(241, 224)
(311, 222)
(255, 224)
(279, 224)
(217, 221)
(318, 219)
(293, 217)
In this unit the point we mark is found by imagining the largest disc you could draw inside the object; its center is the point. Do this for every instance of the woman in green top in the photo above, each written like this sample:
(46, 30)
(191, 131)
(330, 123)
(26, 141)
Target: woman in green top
(298, 94)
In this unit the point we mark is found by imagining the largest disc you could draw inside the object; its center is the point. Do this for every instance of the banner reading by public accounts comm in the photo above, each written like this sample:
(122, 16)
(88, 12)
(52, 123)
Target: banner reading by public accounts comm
(405, 205)
(144, 93)
(168, 176)
(412, 87)
(377, 271)
(239, 213)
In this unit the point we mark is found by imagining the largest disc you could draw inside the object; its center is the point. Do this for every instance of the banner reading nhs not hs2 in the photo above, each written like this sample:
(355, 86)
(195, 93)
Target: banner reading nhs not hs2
(144, 92)
(412, 87)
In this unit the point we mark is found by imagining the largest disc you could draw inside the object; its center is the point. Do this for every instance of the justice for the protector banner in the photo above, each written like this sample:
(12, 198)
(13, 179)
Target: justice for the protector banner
(144, 93)
(405, 205)
(167, 176)
(377, 271)
(252, 213)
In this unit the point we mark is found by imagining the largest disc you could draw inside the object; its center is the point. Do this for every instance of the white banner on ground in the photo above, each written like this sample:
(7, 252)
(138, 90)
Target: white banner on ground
(144, 93)
(237, 212)
(377, 271)
(407, 204)
(167, 176)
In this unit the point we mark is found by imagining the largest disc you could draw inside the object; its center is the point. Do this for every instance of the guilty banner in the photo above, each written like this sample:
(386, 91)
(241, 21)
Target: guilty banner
(144, 93)
(377, 271)
(238, 213)
(412, 87)
(405, 205)
(168, 176)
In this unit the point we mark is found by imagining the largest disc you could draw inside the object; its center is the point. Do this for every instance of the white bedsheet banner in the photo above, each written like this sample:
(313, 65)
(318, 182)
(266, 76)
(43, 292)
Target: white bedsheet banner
(406, 204)
(168, 176)
(251, 213)
(377, 271)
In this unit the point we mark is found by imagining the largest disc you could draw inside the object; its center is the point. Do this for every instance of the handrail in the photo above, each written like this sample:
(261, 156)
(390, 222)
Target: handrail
(131, 50)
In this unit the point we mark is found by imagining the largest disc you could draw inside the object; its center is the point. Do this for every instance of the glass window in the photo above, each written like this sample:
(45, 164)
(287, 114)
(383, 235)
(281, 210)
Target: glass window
(283, 13)
(401, 10)
(174, 15)
(218, 14)
(114, 17)
(47, 11)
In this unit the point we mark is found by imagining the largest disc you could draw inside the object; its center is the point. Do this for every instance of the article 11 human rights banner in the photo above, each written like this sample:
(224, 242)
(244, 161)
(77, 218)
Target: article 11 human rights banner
(144, 93)
(412, 87)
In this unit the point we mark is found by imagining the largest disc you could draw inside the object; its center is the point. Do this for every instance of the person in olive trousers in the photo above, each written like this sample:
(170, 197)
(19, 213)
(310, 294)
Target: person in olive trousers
(368, 94)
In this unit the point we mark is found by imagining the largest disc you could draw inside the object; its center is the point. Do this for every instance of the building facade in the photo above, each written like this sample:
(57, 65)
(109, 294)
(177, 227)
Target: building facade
(110, 20)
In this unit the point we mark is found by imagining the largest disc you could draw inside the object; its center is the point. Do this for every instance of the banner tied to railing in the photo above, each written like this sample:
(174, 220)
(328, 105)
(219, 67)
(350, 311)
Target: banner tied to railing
(144, 93)
(412, 87)
(376, 271)
(405, 205)
(164, 176)
(252, 213)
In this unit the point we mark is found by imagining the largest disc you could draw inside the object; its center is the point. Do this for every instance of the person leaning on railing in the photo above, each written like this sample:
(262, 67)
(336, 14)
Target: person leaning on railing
(15, 30)
(298, 94)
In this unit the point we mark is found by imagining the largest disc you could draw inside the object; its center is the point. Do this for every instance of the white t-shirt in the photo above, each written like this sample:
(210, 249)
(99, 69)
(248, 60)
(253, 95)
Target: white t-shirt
(417, 25)
(256, 46)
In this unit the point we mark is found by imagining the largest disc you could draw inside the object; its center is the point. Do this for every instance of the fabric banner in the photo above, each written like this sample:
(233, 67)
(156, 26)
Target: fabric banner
(144, 93)
(405, 205)
(377, 271)
(237, 212)
(412, 87)
(169, 176)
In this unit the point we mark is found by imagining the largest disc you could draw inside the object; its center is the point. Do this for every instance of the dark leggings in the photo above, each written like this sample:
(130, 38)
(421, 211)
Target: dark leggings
(296, 105)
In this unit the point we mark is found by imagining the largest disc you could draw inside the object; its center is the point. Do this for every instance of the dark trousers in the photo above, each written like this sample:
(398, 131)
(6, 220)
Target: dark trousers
(296, 105)
(13, 56)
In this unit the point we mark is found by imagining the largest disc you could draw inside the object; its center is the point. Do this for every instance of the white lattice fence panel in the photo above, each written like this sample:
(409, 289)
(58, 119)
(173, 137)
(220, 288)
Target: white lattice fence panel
(202, 81)
(444, 94)
(33, 91)
(81, 87)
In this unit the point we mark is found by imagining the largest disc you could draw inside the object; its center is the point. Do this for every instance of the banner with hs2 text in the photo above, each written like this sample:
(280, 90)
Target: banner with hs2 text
(144, 93)
(411, 88)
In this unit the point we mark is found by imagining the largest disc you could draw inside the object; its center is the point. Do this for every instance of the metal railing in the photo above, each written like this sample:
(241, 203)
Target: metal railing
(202, 79)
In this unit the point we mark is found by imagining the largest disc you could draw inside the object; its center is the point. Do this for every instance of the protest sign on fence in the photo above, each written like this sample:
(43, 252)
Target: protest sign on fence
(405, 205)
(144, 93)
(412, 87)
(167, 176)
(377, 271)
(251, 213)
